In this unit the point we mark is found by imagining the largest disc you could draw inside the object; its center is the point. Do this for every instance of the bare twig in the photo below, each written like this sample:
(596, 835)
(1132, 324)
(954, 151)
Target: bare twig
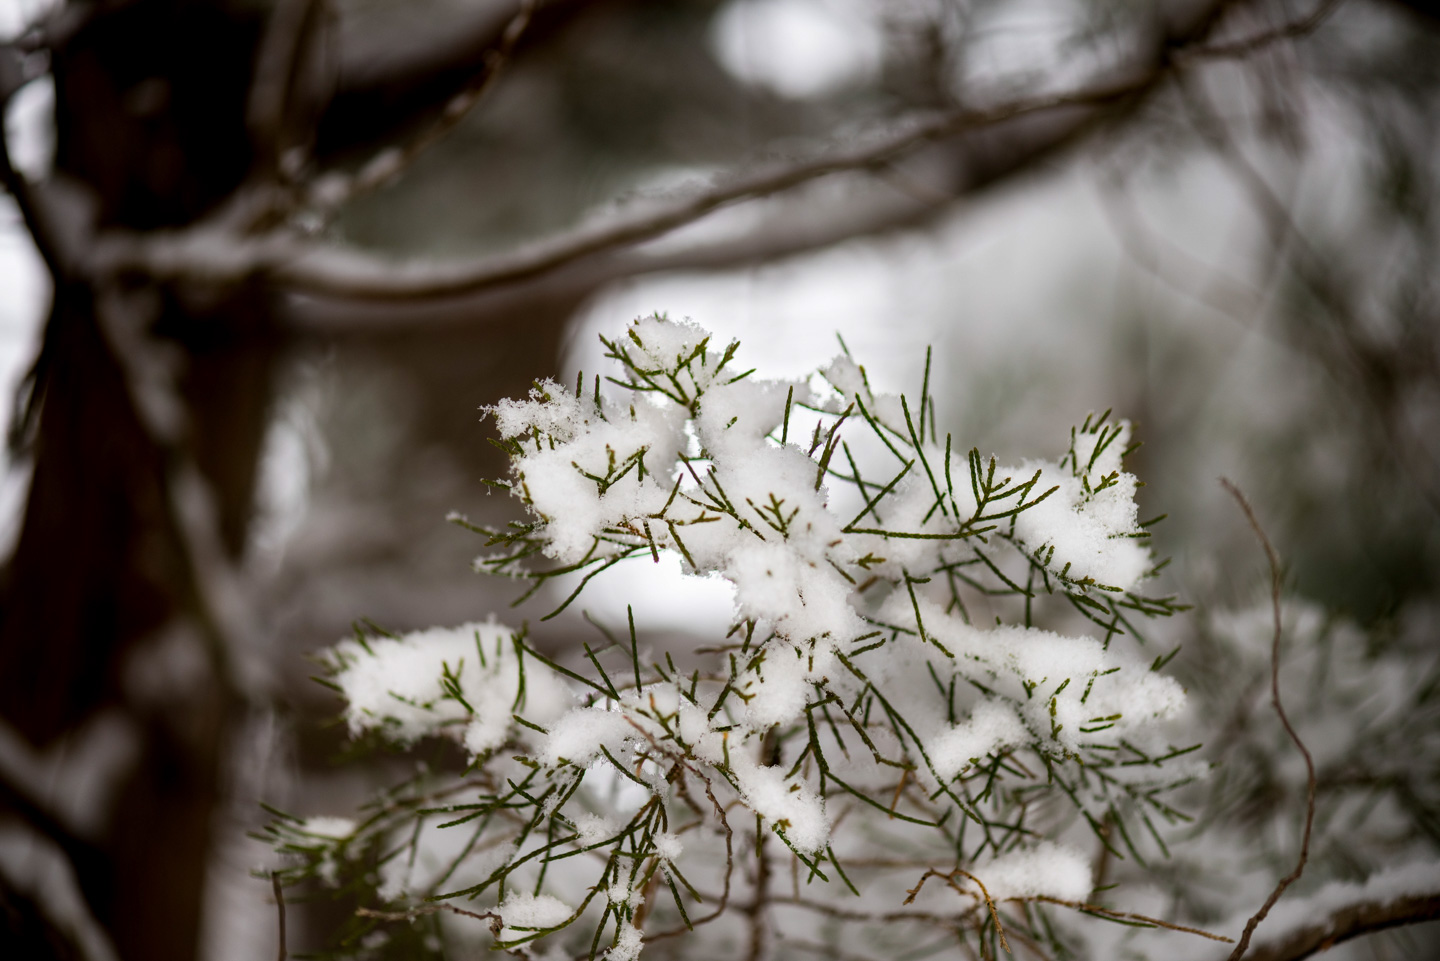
(214, 253)
(865, 917)
(328, 194)
(1130, 916)
(426, 909)
(824, 950)
(949, 878)
(279, 74)
(1275, 585)
(212, 589)
(1205, 283)
(280, 910)
(1412, 454)
(989, 903)
(724, 901)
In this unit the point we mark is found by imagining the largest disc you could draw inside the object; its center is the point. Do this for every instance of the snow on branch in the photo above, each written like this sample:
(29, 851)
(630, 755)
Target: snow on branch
(218, 252)
(859, 705)
(213, 253)
(1339, 911)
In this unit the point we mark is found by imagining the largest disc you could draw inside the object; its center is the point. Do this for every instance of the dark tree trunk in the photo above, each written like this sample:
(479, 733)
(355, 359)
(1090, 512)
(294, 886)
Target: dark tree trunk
(151, 121)
(155, 129)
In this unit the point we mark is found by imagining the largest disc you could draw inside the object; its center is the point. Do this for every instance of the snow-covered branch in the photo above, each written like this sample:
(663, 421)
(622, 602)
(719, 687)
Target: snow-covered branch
(1341, 911)
(214, 252)
(854, 685)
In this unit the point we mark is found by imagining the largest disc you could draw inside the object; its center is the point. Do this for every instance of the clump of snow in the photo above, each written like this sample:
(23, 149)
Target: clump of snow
(1086, 530)
(593, 828)
(627, 944)
(331, 828)
(668, 846)
(592, 466)
(789, 805)
(397, 686)
(581, 735)
(992, 727)
(521, 912)
(624, 895)
(1047, 870)
(1062, 692)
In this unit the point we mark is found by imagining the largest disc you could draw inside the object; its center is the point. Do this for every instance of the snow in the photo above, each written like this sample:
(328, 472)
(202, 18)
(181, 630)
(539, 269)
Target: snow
(789, 805)
(1047, 870)
(531, 912)
(668, 846)
(580, 736)
(593, 828)
(330, 828)
(1087, 528)
(395, 685)
(1064, 687)
(627, 945)
(1420, 878)
(585, 442)
(991, 728)
(700, 465)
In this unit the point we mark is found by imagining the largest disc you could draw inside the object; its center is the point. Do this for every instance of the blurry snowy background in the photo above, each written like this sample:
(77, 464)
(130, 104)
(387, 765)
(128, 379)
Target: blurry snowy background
(1242, 264)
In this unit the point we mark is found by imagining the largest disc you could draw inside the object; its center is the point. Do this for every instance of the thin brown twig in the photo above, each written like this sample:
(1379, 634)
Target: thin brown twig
(280, 910)
(1207, 284)
(424, 910)
(866, 917)
(1276, 582)
(1128, 916)
(824, 950)
(213, 594)
(38, 218)
(209, 252)
(949, 878)
(1311, 268)
(757, 909)
(989, 903)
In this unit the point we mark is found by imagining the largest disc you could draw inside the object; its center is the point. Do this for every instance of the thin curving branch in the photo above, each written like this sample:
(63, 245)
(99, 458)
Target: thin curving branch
(213, 254)
(283, 952)
(404, 69)
(1276, 581)
(995, 143)
(330, 193)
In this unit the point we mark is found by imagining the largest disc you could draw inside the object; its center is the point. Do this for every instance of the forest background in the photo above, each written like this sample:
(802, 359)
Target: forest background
(265, 261)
